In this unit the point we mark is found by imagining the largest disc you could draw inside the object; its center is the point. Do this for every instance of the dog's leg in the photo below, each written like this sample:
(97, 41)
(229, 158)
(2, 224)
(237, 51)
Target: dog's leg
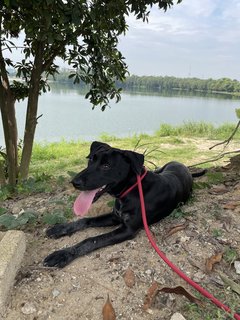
(63, 257)
(67, 229)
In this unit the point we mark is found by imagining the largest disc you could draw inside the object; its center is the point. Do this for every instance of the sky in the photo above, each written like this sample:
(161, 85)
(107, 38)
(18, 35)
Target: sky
(196, 38)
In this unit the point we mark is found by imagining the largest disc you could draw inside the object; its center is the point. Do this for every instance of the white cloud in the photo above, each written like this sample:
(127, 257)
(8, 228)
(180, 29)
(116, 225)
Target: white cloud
(202, 8)
(201, 35)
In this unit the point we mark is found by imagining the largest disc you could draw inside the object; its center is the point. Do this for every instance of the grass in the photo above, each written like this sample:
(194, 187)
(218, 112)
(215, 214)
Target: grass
(198, 129)
(210, 312)
(57, 161)
(166, 144)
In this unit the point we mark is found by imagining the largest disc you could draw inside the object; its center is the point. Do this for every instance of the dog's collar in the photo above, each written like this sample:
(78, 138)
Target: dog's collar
(124, 193)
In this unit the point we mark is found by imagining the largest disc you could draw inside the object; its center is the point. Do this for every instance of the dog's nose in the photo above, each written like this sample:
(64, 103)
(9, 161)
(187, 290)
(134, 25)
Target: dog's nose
(77, 183)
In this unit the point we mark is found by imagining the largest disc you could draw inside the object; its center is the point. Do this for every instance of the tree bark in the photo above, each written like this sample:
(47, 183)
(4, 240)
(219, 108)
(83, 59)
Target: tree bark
(31, 116)
(7, 106)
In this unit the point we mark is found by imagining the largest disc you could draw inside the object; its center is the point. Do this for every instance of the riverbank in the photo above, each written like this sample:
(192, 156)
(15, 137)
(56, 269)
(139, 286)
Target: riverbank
(188, 143)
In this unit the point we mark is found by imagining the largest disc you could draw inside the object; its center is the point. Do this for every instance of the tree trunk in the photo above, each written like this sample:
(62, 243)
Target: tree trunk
(31, 116)
(7, 105)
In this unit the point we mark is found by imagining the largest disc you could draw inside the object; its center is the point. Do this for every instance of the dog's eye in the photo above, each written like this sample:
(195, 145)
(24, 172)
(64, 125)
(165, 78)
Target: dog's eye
(105, 166)
(90, 158)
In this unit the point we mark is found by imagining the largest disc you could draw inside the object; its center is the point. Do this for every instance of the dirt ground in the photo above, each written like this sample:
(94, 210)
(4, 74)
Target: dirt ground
(209, 224)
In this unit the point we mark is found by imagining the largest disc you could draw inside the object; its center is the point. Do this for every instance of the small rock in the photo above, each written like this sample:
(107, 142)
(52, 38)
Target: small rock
(16, 210)
(237, 266)
(148, 272)
(177, 316)
(28, 308)
(184, 239)
(150, 311)
(198, 276)
(55, 293)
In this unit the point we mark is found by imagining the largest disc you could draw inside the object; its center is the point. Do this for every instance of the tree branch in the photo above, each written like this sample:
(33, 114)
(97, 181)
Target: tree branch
(15, 47)
(227, 141)
(220, 156)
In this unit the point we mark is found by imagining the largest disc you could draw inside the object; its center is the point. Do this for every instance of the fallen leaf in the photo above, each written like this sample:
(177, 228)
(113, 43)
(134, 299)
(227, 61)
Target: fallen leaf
(212, 260)
(182, 291)
(129, 278)
(231, 205)
(155, 289)
(108, 312)
(150, 296)
(218, 190)
(176, 229)
(229, 282)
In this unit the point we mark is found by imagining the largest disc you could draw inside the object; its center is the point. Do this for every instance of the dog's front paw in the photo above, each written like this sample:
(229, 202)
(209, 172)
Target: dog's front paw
(58, 231)
(58, 259)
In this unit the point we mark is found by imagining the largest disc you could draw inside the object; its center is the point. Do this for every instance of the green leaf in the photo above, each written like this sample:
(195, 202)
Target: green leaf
(11, 222)
(27, 217)
(54, 218)
(2, 211)
(8, 221)
(111, 203)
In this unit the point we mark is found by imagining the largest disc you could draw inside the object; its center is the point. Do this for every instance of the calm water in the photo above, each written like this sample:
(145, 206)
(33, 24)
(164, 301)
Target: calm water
(66, 114)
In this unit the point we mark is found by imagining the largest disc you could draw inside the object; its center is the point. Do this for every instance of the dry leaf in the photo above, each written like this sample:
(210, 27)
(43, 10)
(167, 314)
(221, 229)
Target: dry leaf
(108, 312)
(218, 190)
(231, 205)
(176, 229)
(129, 278)
(155, 289)
(151, 294)
(212, 260)
(182, 291)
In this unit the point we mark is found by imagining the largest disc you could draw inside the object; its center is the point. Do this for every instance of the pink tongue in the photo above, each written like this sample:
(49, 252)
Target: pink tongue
(83, 202)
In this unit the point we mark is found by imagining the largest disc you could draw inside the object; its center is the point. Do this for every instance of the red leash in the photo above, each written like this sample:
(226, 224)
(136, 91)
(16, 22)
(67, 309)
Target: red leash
(123, 194)
(204, 292)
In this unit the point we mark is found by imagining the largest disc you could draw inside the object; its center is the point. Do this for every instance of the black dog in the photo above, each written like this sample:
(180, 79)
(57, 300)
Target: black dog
(114, 171)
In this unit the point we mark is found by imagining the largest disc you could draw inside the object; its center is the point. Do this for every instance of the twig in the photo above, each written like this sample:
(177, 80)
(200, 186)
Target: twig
(137, 144)
(39, 117)
(142, 145)
(14, 47)
(227, 141)
(146, 153)
(152, 163)
(220, 156)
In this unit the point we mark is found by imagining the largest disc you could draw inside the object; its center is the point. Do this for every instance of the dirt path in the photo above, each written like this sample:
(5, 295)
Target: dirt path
(210, 223)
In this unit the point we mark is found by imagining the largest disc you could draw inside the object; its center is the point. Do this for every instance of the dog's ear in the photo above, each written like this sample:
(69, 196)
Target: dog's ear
(97, 146)
(136, 160)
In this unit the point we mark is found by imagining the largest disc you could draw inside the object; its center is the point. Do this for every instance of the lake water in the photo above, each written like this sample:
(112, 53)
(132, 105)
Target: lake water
(66, 114)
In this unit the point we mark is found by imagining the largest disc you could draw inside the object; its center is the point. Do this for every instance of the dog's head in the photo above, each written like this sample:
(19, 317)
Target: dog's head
(107, 167)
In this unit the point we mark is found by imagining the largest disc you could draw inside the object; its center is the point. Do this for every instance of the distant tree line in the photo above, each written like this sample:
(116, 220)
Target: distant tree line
(166, 83)
(153, 83)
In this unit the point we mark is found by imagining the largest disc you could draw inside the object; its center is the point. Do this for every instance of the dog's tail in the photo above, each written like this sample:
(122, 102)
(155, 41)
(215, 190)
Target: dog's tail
(199, 173)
